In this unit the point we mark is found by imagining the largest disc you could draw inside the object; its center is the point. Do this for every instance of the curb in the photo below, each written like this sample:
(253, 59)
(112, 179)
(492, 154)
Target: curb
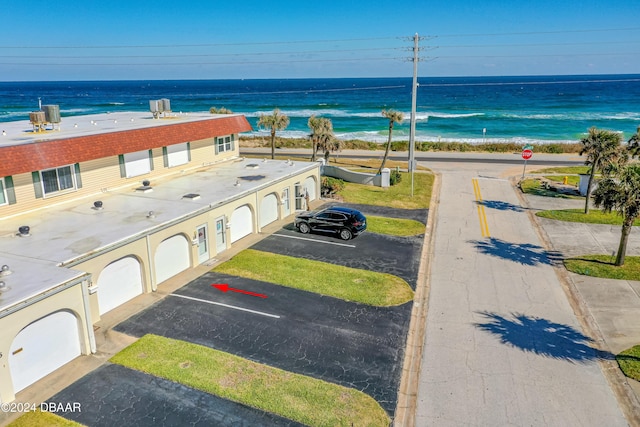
(408, 392)
(625, 395)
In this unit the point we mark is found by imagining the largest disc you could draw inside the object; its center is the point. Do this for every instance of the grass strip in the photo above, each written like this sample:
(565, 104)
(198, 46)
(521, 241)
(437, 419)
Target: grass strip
(350, 284)
(43, 419)
(394, 226)
(571, 179)
(595, 216)
(297, 397)
(602, 266)
(569, 170)
(629, 362)
(533, 186)
(396, 196)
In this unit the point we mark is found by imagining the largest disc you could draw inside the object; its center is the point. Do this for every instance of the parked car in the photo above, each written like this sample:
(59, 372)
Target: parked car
(346, 222)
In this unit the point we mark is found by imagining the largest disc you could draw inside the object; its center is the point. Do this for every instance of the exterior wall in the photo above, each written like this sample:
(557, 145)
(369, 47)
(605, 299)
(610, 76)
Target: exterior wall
(69, 299)
(358, 177)
(102, 174)
(94, 266)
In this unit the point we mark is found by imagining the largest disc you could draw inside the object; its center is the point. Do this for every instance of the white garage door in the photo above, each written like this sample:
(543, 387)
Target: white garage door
(268, 209)
(241, 223)
(172, 257)
(42, 347)
(310, 185)
(119, 282)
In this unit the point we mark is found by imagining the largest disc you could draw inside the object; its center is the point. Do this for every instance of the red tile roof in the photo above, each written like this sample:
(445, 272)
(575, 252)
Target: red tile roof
(36, 156)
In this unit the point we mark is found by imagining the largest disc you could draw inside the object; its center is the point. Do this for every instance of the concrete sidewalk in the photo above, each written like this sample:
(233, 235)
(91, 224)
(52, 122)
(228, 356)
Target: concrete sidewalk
(504, 343)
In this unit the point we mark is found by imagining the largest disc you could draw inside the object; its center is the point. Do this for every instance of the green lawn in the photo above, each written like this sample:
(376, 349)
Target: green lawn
(297, 397)
(595, 216)
(571, 179)
(394, 226)
(602, 266)
(43, 419)
(396, 196)
(532, 186)
(350, 284)
(567, 170)
(629, 362)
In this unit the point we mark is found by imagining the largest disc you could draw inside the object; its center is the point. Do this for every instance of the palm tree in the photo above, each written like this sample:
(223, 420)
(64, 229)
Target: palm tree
(274, 122)
(393, 116)
(601, 147)
(322, 136)
(634, 143)
(620, 192)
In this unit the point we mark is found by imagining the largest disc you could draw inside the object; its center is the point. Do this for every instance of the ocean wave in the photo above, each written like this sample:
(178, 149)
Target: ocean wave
(584, 116)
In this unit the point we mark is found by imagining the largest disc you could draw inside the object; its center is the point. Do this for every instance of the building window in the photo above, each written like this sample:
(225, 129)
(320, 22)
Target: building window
(177, 154)
(224, 143)
(135, 164)
(3, 193)
(57, 180)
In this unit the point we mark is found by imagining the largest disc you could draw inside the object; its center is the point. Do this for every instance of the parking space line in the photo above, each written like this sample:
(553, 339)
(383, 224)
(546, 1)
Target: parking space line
(314, 240)
(226, 305)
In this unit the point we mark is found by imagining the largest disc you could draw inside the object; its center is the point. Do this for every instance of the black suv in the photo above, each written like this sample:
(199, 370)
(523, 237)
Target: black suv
(346, 222)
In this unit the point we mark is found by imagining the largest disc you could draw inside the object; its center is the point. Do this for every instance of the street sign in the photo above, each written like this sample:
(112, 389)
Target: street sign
(526, 154)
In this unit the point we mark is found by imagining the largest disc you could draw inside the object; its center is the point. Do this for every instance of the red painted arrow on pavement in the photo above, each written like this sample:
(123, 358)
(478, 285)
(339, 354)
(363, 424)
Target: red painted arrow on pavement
(224, 288)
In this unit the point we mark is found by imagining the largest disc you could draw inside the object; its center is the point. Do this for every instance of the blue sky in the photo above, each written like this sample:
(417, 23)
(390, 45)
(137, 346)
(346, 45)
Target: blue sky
(92, 40)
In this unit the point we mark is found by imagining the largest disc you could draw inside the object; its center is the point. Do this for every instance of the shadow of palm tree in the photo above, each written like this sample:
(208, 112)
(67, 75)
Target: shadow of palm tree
(542, 337)
(523, 253)
(500, 205)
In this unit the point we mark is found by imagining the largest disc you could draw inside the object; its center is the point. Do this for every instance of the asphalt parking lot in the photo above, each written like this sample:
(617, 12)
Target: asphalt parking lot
(347, 343)
(113, 395)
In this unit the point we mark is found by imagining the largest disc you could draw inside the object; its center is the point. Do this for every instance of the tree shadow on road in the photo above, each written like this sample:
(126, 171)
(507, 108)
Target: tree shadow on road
(542, 337)
(523, 253)
(500, 205)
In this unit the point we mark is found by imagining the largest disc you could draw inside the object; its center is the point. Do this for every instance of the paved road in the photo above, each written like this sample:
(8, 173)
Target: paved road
(502, 344)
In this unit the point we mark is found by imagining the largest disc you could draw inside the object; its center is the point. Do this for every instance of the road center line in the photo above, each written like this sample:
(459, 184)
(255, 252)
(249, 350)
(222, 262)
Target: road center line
(314, 240)
(226, 305)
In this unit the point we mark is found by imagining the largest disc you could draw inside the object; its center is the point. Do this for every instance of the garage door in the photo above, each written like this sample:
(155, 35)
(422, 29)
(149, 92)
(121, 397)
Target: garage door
(172, 257)
(118, 283)
(241, 223)
(310, 185)
(268, 209)
(42, 347)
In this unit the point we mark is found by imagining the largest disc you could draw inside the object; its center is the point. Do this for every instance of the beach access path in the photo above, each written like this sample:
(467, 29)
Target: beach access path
(502, 345)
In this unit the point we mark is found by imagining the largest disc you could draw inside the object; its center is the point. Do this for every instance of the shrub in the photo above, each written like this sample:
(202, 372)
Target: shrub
(395, 177)
(330, 186)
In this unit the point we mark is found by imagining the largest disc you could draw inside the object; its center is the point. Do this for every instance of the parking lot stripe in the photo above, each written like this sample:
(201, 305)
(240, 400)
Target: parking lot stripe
(314, 240)
(226, 305)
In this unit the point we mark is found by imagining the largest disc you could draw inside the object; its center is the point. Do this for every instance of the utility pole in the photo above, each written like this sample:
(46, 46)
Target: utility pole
(414, 95)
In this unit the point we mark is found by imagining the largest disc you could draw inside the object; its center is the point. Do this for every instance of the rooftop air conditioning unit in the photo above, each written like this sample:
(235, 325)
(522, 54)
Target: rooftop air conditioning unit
(51, 113)
(38, 120)
(166, 105)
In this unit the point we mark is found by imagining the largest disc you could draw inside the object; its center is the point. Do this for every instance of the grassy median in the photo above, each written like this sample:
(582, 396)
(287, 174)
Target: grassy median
(297, 397)
(595, 216)
(350, 284)
(43, 419)
(629, 362)
(394, 226)
(603, 266)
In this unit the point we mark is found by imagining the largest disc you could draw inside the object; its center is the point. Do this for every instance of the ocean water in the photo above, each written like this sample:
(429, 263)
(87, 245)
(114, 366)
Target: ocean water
(531, 109)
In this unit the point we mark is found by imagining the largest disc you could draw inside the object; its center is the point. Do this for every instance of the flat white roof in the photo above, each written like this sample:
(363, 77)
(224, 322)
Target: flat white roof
(22, 131)
(71, 231)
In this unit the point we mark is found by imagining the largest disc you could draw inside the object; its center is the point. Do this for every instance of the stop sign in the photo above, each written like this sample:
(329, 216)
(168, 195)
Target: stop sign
(526, 154)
